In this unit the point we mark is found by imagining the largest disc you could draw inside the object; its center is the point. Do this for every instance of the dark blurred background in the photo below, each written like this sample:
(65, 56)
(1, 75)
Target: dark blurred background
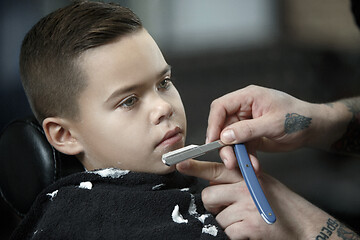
(307, 48)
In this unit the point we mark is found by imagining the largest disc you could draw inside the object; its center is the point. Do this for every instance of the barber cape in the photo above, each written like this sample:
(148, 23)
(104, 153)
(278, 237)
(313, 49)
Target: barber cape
(117, 204)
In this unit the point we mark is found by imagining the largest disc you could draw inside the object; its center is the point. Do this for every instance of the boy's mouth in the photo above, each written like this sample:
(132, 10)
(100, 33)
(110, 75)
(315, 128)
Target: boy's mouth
(171, 137)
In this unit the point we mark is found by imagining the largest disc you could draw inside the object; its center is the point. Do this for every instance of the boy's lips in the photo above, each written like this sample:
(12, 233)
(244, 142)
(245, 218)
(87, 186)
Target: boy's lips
(171, 137)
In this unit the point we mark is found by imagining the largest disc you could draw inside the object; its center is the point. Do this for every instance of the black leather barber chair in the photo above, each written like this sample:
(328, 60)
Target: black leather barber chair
(28, 164)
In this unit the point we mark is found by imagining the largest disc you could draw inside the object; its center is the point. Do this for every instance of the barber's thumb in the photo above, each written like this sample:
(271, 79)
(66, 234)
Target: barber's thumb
(228, 136)
(242, 131)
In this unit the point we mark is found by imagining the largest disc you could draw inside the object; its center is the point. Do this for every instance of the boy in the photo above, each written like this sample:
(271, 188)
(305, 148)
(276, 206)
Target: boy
(102, 90)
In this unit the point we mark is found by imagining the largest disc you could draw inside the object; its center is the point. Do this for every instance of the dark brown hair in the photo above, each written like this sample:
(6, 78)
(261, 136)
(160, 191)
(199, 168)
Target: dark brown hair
(50, 51)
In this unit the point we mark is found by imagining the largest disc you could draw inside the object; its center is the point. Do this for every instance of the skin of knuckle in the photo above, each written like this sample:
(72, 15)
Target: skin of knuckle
(252, 86)
(235, 231)
(247, 130)
(242, 189)
(250, 207)
(227, 153)
(238, 210)
(214, 104)
(247, 229)
(220, 219)
(207, 195)
(217, 172)
(257, 228)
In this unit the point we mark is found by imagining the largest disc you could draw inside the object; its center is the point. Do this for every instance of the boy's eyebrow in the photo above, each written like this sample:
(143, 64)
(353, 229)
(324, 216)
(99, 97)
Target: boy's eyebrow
(164, 71)
(135, 86)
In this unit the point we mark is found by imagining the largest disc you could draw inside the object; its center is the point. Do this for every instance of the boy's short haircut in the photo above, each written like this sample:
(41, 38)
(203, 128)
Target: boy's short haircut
(49, 58)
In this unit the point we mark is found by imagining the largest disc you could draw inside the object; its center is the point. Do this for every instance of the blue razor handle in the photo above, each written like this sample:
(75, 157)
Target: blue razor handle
(253, 184)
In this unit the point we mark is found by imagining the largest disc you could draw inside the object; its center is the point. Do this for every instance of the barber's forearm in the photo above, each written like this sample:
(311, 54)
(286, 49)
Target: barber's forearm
(349, 141)
(329, 122)
(299, 219)
(333, 230)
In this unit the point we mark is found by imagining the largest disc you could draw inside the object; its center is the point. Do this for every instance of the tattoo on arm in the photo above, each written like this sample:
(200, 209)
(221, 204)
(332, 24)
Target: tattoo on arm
(350, 141)
(295, 122)
(333, 226)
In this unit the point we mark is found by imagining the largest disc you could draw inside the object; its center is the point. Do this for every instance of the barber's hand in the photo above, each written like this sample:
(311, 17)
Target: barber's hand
(229, 199)
(269, 120)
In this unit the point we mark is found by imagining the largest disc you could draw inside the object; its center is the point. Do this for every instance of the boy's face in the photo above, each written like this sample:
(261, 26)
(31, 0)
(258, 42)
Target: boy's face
(130, 113)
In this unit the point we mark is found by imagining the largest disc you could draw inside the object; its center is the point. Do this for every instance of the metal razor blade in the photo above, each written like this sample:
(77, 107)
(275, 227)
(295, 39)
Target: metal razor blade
(190, 151)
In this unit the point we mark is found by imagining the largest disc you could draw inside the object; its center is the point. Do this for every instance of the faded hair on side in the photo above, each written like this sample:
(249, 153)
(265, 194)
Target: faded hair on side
(50, 51)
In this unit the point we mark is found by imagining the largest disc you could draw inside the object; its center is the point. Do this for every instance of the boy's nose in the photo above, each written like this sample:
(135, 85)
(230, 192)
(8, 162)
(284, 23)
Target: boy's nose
(161, 110)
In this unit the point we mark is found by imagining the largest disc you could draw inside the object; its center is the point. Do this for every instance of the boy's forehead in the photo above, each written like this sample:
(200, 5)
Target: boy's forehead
(131, 59)
(135, 51)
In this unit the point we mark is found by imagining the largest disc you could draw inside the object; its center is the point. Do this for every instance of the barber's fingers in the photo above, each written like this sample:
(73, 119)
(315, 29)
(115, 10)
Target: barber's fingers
(211, 171)
(223, 194)
(218, 115)
(249, 225)
(241, 231)
(218, 197)
(230, 215)
(238, 103)
(248, 130)
(228, 156)
(236, 231)
(237, 212)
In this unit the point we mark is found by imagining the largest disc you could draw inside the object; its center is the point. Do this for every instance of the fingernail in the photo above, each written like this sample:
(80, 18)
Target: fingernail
(228, 136)
(207, 140)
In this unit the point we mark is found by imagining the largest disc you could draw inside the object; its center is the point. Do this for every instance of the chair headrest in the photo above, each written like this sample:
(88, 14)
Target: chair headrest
(28, 163)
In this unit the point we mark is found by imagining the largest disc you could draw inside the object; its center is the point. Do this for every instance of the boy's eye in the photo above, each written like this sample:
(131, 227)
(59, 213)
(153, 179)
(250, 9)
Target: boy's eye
(128, 102)
(165, 84)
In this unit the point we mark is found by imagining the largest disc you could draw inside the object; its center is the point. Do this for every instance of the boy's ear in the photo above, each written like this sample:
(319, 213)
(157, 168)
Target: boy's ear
(61, 136)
